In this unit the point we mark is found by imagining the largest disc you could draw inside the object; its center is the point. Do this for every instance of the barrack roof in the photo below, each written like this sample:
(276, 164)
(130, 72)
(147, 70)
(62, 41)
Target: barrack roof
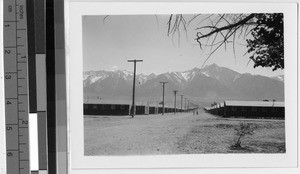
(123, 102)
(113, 102)
(255, 103)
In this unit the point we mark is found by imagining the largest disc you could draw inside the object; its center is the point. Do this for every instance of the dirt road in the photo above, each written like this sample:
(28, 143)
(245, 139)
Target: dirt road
(171, 134)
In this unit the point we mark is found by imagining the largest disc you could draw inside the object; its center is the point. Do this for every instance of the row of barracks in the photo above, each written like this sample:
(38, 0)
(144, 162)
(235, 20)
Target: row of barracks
(101, 107)
(249, 109)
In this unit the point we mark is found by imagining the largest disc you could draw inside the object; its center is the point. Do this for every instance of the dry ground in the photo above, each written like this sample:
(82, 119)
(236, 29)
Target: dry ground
(183, 133)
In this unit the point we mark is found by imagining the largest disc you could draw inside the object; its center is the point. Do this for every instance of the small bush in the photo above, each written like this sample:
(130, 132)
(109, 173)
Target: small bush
(241, 131)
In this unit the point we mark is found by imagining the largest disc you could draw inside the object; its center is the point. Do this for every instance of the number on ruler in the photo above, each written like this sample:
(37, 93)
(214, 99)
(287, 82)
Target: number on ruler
(9, 128)
(10, 154)
(7, 51)
(7, 76)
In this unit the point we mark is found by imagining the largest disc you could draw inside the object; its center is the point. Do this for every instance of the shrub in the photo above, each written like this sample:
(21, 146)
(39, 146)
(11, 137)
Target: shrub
(241, 131)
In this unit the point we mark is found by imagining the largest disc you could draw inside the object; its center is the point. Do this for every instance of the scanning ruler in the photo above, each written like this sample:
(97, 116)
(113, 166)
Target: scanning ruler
(16, 86)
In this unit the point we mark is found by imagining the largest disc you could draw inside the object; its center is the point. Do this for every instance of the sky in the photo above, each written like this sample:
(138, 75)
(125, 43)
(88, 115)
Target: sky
(109, 41)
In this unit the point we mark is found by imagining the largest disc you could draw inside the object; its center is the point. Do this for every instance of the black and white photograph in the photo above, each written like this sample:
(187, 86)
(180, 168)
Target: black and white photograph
(170, 86)
(176, 84)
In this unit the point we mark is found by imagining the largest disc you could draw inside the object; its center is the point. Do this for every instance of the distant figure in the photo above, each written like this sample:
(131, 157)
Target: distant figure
(197, 112)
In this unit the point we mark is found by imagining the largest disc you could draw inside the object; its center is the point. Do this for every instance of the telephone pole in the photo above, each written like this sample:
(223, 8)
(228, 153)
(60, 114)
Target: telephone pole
(175, 92)
(133, 88)
(163, 83)
(185, 104)
(181, 101)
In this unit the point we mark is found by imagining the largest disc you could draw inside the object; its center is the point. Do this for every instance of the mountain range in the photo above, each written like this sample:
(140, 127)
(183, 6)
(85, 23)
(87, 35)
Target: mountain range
(209, 83)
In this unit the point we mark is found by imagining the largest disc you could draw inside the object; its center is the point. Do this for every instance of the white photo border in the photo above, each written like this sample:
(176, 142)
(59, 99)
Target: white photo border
(74, 11)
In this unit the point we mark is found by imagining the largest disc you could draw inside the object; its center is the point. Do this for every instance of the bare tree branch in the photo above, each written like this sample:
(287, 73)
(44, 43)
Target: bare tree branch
(193, 19)
(157, 21)
(105, 17)
(241, 22)
(205, 19)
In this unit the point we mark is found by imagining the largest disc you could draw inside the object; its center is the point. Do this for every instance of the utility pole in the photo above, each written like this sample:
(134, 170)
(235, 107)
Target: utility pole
(181, 101)
(163, 83)
(185, 104)
(133, 88)
(175, 92)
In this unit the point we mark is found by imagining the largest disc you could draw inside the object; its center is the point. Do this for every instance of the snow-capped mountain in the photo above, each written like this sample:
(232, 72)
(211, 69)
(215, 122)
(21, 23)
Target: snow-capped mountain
(182, 78)
(91, 77)
(210, 82)
(224, 75)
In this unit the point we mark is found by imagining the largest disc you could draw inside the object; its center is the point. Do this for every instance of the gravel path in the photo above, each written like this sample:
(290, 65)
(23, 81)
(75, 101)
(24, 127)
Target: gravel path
(169, 134)
(142, 135)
